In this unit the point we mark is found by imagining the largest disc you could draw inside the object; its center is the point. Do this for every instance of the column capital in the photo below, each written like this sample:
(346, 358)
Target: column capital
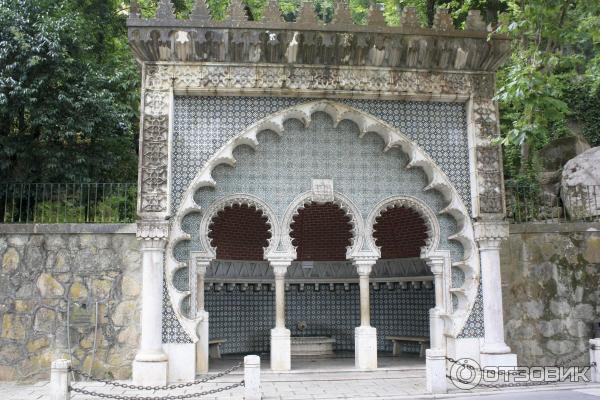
(436, 261)
(152, 229)
(490, 231)
(364, 265)
(280, 265)
(364, 269)
(201, 260)
(153, 244)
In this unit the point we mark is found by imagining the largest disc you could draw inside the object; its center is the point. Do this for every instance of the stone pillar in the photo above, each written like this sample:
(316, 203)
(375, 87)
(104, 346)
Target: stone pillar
(150, 364)
(60, 380)
(365, 336)
(280, 335)
(202, 363)
(435, 356)
(436, 323)
(595, 360)
(252, 378)
(494, 352)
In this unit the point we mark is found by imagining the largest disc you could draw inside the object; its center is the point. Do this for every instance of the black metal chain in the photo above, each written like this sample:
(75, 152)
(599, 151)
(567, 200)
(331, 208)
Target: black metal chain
(165, 387)
(171, 397)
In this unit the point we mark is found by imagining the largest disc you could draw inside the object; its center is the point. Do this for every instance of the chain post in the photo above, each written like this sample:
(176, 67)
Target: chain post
(60, 380)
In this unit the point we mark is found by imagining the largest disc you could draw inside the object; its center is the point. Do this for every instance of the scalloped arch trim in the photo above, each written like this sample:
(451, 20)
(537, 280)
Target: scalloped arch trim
(437, 180)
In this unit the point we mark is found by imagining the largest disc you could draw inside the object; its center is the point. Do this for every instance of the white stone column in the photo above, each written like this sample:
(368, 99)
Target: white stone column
(150, 364)
(202, 359)
(281, 355)
(435, 356)
(365, 336)
(489, 235)
(436, 323)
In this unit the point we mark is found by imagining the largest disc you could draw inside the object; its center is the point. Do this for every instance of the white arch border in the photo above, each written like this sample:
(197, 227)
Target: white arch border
(356, 220)
(437, 180)
(238, 199)
(432, 242)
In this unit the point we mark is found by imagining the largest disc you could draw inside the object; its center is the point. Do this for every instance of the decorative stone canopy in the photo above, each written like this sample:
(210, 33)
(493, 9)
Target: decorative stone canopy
(310, 41)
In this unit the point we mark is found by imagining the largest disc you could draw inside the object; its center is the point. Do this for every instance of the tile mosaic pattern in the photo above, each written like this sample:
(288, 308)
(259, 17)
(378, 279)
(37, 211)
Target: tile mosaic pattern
(202, 125)
(474, 327)
(172, 332)
(322, 150)
(246, 318)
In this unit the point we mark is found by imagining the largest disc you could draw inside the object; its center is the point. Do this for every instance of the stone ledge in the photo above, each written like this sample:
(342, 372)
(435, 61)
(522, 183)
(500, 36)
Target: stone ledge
(555, 227)
(67, 228)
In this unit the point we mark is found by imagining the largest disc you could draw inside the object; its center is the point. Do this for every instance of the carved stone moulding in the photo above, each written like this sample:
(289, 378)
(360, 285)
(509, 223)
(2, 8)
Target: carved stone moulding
(491, 230)
(216, 78)
(308, 40)
(150, 229)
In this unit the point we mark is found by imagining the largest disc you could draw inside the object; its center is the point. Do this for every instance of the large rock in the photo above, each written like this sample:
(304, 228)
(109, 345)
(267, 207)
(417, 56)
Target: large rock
(559, 151)
(580, 185)
(554, 156)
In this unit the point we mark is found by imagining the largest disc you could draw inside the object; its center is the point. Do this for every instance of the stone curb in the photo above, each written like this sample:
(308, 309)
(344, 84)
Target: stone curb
(555, 227)
(67, 228)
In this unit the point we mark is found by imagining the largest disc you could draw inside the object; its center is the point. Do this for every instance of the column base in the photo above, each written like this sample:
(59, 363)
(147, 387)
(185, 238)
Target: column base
(150, 373)
(202, 346)
(497, 360)
(281, 350)
(365, 348)
(435, 370)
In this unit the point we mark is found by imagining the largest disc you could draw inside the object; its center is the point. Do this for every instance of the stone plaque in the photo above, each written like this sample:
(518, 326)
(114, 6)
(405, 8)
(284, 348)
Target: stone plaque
(322, 190)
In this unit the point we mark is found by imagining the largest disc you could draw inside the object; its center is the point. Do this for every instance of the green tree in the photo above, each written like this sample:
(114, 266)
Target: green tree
(68, 91)
(552, 71)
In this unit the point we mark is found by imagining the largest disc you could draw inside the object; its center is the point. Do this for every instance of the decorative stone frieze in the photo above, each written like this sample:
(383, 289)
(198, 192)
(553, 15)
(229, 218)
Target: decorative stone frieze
(313, 42)
(154, 147)
(152, 230)
(315, 81)
(490, 230)
(484, 125)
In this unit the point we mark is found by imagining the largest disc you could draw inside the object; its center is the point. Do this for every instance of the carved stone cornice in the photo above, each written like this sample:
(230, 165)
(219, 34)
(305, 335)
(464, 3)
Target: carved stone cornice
(310, 80)
(152, 230)
(491, 230)
(313, 42)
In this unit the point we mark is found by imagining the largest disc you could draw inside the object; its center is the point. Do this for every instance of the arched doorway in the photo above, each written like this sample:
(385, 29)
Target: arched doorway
(321, 232)
(239, 232)
(401, 234)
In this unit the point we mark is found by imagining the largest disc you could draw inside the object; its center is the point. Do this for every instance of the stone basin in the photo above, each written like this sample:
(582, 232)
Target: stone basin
(312, 346)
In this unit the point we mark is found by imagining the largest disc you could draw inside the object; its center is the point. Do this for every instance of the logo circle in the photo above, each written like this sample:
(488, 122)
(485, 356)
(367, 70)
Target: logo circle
(465, 373)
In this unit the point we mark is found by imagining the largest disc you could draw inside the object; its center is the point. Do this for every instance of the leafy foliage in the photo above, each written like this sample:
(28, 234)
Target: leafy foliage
(68, 91)
(550, 79)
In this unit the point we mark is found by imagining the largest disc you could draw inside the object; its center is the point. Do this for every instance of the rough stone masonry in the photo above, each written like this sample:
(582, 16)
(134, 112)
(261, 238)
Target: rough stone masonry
(91, 279)
(551, 276)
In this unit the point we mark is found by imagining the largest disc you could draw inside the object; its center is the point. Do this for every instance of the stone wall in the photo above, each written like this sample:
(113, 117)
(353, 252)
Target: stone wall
(54, 273)
(551, 289)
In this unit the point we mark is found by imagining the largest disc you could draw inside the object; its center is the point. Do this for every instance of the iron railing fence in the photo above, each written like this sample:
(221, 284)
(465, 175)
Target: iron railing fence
(530, 203)
(116, 203)
(48, 203)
